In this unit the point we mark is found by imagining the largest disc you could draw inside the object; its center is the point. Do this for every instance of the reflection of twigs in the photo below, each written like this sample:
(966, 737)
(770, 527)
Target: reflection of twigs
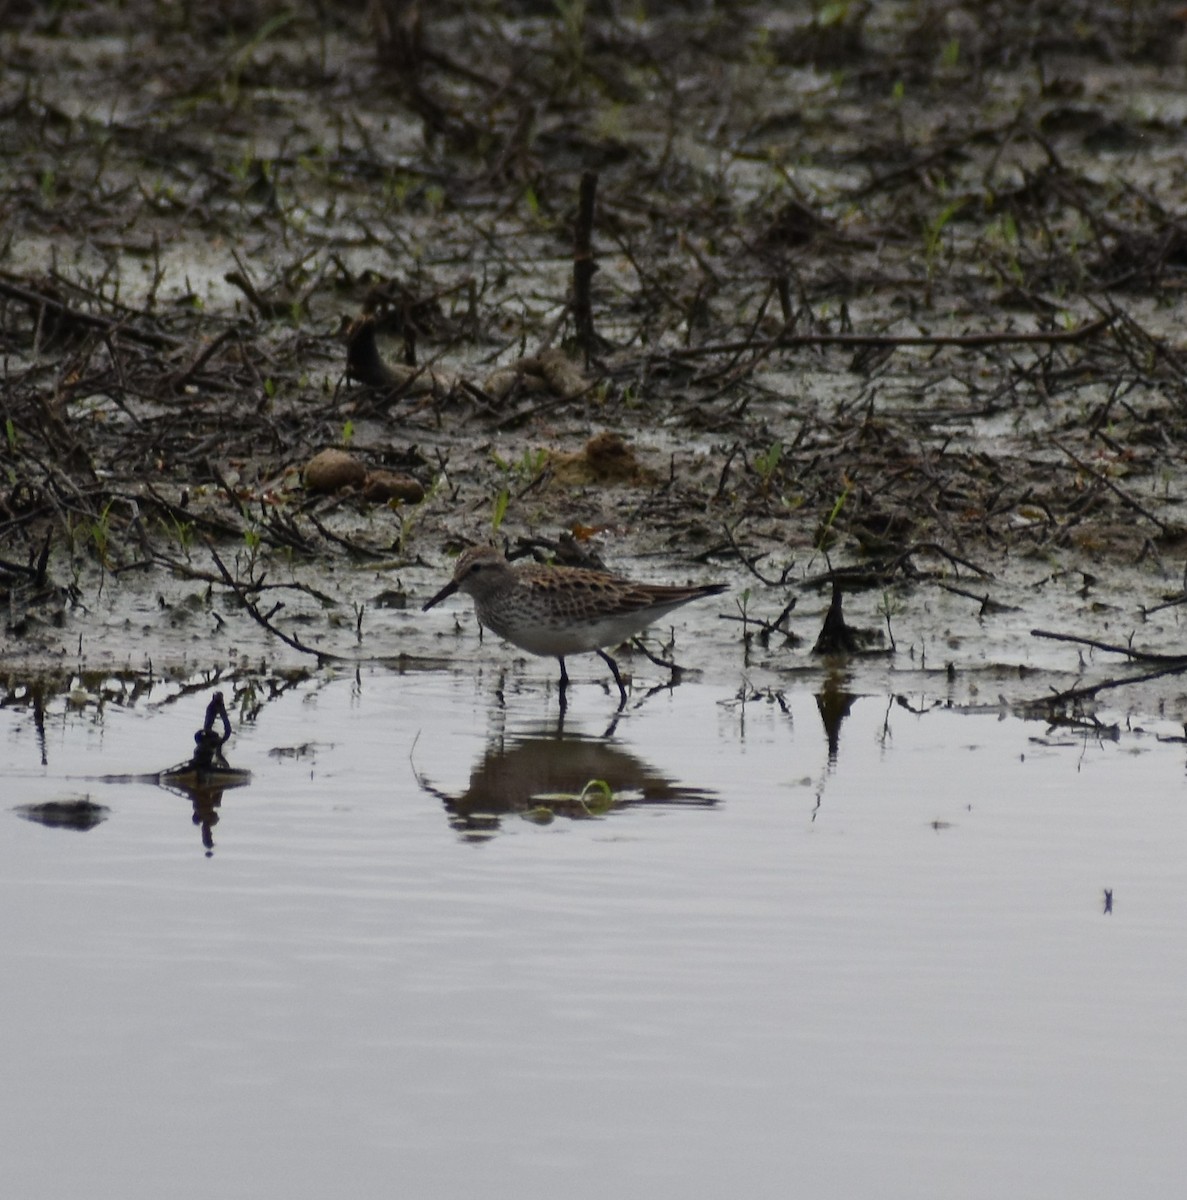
(1171, 660)
(1172, 664)
(1086, 693)
(253, 610)
(412, 761)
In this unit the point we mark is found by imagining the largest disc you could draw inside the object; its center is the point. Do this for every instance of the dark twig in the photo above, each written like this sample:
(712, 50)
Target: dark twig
(786, 340)
(242, 594)
(584, 265)
(40, 302)
(748, 563)
(1122, 495)
(1129, 652)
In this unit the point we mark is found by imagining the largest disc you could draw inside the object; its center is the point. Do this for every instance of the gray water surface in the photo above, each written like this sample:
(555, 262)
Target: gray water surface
(770, 970)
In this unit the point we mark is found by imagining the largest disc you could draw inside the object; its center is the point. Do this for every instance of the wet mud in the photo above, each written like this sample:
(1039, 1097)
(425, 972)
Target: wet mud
(873, 312)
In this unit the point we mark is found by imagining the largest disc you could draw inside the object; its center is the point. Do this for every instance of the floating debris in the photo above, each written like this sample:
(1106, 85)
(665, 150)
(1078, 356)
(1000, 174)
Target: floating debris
(80, 814)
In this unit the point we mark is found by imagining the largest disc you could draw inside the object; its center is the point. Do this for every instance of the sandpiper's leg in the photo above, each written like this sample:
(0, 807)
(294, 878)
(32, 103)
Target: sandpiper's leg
(617, 678)
(564, 683)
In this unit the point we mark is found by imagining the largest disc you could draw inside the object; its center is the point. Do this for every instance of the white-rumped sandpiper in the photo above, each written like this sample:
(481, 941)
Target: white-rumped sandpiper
(558, 611)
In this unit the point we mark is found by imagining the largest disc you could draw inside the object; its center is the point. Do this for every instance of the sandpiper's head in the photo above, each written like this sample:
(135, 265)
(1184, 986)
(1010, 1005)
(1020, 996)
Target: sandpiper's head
(479, 570)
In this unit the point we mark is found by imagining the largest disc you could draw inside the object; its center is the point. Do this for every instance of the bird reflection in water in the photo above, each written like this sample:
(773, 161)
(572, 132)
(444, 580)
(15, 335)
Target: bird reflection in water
(538, 775)
(834, 703)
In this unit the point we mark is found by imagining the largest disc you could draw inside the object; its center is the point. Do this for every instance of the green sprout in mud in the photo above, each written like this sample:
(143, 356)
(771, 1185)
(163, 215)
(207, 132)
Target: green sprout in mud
(347, 433)
(761, 52)
(531, 463)
(532, 201)
(766, 464)
(182, 533)
(242, 56)
(499, 509)
(314, 162)
(571, 50)
(611, 122)
(253, 541)
(898, 94)
(950, 55)
(526, 468)
(1002, 233)
(410, 514)
(10, 435)
(396, 188)
(933, 237)
(100, 531)
(832, 12)
(831, 519)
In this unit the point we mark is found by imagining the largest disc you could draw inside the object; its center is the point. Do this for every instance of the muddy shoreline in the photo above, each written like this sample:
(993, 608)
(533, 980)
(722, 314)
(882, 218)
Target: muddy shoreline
(889, 299)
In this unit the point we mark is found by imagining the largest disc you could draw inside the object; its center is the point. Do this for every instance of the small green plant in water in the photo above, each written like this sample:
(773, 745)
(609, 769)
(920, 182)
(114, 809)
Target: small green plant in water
(596, 797)
(347, 433)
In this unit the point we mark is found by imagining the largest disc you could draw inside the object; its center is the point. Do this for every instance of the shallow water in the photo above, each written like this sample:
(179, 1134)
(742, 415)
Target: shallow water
(881, 969)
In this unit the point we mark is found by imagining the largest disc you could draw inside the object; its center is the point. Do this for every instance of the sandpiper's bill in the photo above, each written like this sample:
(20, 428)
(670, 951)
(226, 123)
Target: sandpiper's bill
(558, 611)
